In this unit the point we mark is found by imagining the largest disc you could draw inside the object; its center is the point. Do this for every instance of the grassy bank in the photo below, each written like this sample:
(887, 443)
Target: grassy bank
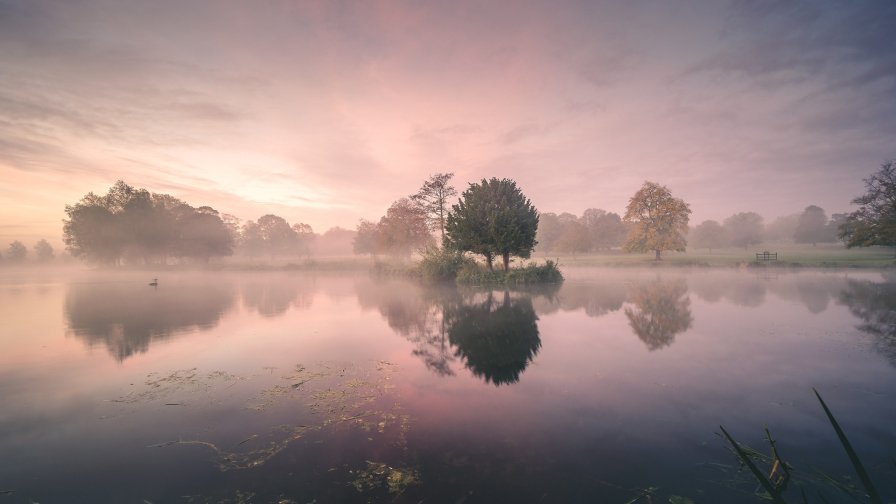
(789, 255)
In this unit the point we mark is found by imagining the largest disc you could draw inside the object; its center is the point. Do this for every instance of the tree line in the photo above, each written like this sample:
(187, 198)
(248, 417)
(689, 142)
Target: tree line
(16, 252)
(134, 226)
(491, 218)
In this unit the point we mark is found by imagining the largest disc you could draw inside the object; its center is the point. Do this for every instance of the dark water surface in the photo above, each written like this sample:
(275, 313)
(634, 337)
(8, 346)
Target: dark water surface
(281, 387)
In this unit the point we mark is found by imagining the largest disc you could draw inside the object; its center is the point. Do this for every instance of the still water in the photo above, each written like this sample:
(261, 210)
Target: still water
(296, 387)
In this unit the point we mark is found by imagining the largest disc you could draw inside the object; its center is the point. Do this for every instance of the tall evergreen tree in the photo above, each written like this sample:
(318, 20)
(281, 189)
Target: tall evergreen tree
(493, 218)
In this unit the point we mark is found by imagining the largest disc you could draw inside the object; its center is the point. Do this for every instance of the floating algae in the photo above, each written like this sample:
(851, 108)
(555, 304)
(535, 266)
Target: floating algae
(327, 395)
(190, 381)
(378, 475)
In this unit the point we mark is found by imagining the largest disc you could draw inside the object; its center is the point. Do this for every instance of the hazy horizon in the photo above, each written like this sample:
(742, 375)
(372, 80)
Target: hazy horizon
(325, 114)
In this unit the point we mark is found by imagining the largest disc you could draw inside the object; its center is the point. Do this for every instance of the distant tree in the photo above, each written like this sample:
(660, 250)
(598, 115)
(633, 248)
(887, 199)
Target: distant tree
(202, 234)
(574, 238)
(433, 197)
(549, 230)
(304, 237)
(833, 226)
(493, 218)
(403, 229)
(43, 251)
(133, 224)
(367, 239)
(812, 226)
(16, 252)
(251, 239)
(334, 241)
(782, 228)
(91, 231)
(874, 223)
(659, 221)
(744, 229)
(605, 229)
(709, 234)
(232, 224)
(276, 233)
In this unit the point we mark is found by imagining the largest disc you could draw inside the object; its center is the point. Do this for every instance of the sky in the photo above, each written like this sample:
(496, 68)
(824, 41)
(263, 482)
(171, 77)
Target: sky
(325, 112)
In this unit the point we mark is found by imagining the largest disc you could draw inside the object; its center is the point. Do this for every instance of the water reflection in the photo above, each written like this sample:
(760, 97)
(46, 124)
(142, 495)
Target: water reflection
(661, 310)
(417, 314)
(596, 299)
(813, 291)
(272, 296)
(126, 317)
(494, 334)
(875, 305)
(496, 339)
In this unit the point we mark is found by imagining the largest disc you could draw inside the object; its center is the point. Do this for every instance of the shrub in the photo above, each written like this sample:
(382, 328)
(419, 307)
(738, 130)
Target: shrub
(474, 274)
(440, 265)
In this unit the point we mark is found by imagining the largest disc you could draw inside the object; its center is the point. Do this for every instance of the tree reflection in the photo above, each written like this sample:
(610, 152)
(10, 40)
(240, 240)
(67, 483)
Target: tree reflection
(272, 297)
(125, 318)
(496, 340)
(417, 314)
(595, 298)
(875, 305)
(662, 310)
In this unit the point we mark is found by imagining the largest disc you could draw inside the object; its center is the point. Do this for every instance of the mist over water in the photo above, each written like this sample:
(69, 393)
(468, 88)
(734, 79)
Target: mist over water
(345, 387)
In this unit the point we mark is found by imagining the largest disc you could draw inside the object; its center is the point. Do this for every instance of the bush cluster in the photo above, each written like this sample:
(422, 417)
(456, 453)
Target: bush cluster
(439, 265)
(475, 274)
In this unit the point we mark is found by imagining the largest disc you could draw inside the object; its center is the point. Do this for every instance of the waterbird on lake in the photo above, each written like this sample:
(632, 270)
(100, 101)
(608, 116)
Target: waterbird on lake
(154, 283)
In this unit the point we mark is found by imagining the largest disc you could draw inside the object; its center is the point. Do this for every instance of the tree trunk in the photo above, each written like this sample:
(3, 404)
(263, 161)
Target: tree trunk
(658, 258)
(506, 256)
(488, 259)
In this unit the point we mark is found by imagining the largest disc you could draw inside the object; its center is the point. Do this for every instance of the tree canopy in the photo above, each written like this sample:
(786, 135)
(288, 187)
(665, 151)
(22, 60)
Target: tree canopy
(493, 218)
(433, 199)
(710, 235)
(133, 224)
(659, 220)
(43, 251)
(16, 252)
(812, 226)
(874, 223)
(744, 229)
(401, 231)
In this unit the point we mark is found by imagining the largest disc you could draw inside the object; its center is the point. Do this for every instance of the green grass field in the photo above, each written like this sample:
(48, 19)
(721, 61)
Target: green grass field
(789, 255)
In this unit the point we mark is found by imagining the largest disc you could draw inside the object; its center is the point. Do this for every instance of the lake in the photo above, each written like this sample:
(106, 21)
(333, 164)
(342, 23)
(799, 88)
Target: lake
(339, 387)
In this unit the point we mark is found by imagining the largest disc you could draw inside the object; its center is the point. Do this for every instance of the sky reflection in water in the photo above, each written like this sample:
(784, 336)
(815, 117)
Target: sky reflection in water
(343, 387)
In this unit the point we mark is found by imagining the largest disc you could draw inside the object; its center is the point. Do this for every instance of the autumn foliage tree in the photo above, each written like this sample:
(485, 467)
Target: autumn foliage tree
(404, 228)
(400, 232)
(659, 221)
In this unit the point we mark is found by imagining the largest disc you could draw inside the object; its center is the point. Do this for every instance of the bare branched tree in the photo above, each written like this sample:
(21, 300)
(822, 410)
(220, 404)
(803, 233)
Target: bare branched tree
(433, 199)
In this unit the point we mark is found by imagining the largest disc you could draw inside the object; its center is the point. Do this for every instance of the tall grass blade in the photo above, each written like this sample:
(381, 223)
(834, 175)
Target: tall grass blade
(853, 457)
(769, 487)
